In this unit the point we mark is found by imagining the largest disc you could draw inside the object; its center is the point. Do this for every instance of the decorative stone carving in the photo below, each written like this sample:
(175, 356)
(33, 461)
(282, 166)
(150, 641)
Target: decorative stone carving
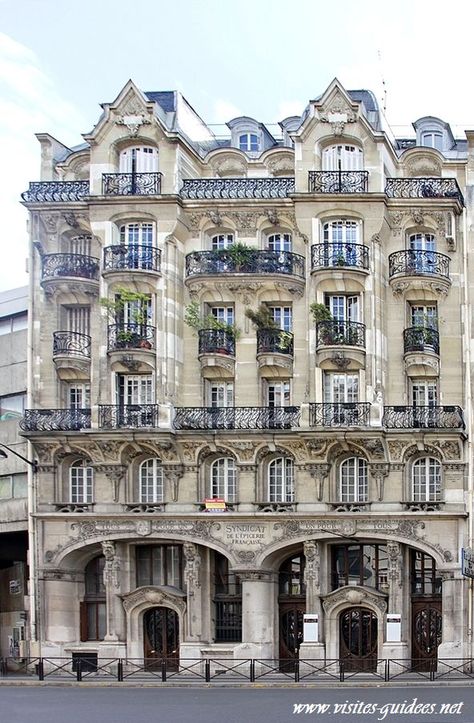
(246, 556)
(339, 360)
(255, 575)
(245, 220)
(449, 450)
(297, 448)
(192, 567)
(133, 117)
(229, 165)
(153, 596)
(395, 220)
(395, 449)
(281, 165)
(110, 449)
(317, 447)
(418, 216)
(272, 215)
(75, 220)
(379, 472)
(245, 450)
(290, 287)
(446, 554)
(423, 164)
(354, 595)
(130, 362)
(319, 473)
(58, 574)
(394, 562)
(112, 565)
(215, 216)
(373, 446)
(173, 474)
(245, 292)
(115, 473)
(312, 564)
(189, 449)
(50, 221)
(337, 113)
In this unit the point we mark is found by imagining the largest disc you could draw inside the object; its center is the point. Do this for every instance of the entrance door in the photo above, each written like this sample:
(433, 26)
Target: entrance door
(358, 639)
(161, 637)
(291, 633)
(426, 633)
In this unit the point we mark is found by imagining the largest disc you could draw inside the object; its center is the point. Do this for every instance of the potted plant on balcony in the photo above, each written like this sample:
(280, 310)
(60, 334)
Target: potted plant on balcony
(262, 319)
(138, 318)
(239, 254)
(199, 322)
(320, 312)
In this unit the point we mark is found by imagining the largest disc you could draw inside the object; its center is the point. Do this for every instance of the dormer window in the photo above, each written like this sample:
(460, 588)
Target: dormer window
(248, 142)
(432, 139)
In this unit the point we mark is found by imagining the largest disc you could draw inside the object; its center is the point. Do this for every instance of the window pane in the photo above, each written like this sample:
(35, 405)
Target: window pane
(20, 485)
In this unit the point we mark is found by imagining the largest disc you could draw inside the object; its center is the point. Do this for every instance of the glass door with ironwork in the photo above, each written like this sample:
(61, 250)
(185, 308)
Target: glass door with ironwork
(161, 638)
(358, 639)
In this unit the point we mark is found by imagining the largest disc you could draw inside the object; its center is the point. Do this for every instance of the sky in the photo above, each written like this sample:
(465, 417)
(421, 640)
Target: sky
(263, 58)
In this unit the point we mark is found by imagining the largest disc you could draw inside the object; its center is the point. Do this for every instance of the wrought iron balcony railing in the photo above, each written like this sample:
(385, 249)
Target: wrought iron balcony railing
(236, 417)
(341, 414)
(338, 181)
(130, 336)
(421, 338)
(216, 341)
(135, 416)
(340, 333)
(55, 266)
(200, 188)
(424, 417)
(271, 341)
(343, 255)
(131, 184)
(423, 188)
(52, 420)
(255, 262)
(71, 343)
(414, 262)
(53, 191)
(132, 258)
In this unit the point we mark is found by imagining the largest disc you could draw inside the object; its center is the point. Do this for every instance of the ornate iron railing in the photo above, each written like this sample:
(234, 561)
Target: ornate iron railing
(132, 258)
(71, 343)
(341, 414)
(136, 416)
(421, 338)
(425, 417)
(415, 262)
(51, 420)
(216, 341)
(130, 336)
(338, 181)
(254, 262)
(274, 341)
(335, 255)
(199, 188)
(340, 333)
(77, 265)
(131, 184)
(51, 191)
(423, 188)
(236, 417)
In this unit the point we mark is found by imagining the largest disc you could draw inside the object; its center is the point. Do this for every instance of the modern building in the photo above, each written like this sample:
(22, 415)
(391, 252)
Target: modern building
(13, 471)
(250, 386)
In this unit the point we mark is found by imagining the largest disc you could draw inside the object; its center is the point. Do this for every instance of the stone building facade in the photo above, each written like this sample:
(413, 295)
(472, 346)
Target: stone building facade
(334, 425)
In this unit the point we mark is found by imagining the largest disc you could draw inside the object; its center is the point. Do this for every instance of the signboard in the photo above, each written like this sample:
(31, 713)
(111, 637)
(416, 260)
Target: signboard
(216, 504)
(15, 587)
(310, 628)
(394, 628)
(468, 562)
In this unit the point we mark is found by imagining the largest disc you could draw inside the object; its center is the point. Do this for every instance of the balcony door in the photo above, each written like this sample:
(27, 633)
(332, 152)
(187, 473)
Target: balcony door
(344, 308)
(134, 395)
(220, 403)
(78, 319)
(139, 159)
(424, 247)
(138, 240)
(341, 392)
(424, 400)
(343, 158)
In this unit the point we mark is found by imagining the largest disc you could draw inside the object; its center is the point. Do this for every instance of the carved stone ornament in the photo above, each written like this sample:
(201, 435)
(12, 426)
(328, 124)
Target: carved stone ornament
(423, 164)
(319, 473)
(245, 292)
(395, 449)
(115, 473)
(317, 447)
(339, 360)
(282, 164)
(189, 450)
(153, 596)
(245, 220)
(229, 164)
(272, 215)
(379, 472)
(75, 220)
(395, 221)
(192, 566)
(246, 556)
(395, 561)
(354, 595)
(50, 221)
(133, 117)
(110, 449)
(312, 563)
(245, 450)
(337, 113)
(256, 575)
(173, 474)
(112, 565)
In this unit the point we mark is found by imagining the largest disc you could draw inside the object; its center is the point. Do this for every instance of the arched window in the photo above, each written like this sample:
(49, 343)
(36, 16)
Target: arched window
(227, 602)
(93, 610)
(291, 576)
(281, 480)
(353, 484)
(422, 242)
(139, 159)
(223, 479)
(426, 480)
(343, 157)
(81, 479)
(340, 238)
(151, 481)
(279, 242)
(222, 241)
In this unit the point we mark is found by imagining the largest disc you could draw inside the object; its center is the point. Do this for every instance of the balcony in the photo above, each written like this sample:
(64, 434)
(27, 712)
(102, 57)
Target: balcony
(56, 191)
(131, 184)
(208, 188)
(131, 258)
(275, 352)
(423, 417)
(341, 414)
(331, 335)
(339, 256)
(55, 420)
(236, 417)
(71, 354)
(414, 269)
(222, 261)
(421, 349)
(130, 336)
(338, 181)
(216, 353)
(128, 416)
(423, 188)
(57, 270)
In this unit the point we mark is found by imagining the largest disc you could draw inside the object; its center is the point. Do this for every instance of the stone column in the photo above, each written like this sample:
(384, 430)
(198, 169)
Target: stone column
(312, 552)
(111, 582)
(193, 591)
(259, 637)
(454, 611)
(394, 587)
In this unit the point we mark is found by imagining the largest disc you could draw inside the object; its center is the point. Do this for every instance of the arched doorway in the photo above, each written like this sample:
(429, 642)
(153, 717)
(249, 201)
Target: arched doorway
(358, 638)
(161, 637)
(292, 606)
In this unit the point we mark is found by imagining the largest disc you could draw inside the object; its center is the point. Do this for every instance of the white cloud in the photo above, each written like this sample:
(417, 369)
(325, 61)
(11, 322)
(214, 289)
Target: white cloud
(29, 103)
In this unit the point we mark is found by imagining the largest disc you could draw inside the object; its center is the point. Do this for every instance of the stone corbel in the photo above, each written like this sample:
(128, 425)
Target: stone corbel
(173, 474)
(115, 473)
(318, 472)
(379, 472)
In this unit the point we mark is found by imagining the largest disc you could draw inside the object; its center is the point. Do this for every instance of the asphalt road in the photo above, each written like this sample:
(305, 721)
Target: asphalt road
(236, 705)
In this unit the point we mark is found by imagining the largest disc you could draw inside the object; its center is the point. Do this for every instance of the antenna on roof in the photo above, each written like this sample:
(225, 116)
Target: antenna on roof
(384, 86)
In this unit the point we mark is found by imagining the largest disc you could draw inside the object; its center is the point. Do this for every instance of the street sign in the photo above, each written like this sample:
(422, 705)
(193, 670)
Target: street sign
(468, 562)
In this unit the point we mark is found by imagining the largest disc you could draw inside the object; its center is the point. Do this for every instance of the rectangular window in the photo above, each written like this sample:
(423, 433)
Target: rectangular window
(81, 484)
(80, 245)
(344, 308)
(159, 565)
(278, 394)
(425, 394)
(12, 406)
(424, 316)
(10, 324)
(282, 316)
(77, 319)
(96, 621)
(223, 313)
(220, 394)
(78, 396)
(222, 241)
(341, 388)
